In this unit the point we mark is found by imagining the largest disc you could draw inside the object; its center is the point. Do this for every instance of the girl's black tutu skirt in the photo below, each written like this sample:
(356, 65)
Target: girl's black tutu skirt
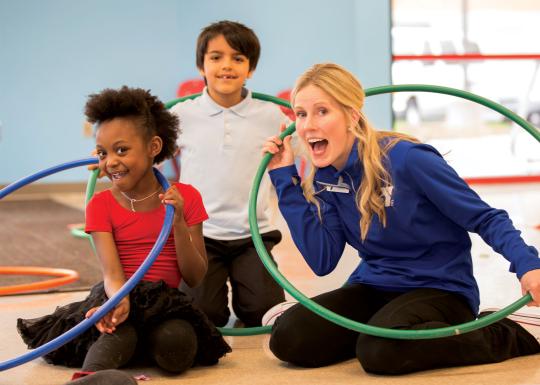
(150, 304)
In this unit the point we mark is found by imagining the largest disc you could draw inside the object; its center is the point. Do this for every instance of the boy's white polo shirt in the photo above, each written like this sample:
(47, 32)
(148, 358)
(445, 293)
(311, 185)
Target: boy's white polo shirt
(220, 153)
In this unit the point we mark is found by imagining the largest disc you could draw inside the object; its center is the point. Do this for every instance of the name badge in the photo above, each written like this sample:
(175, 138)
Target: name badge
(341, 187)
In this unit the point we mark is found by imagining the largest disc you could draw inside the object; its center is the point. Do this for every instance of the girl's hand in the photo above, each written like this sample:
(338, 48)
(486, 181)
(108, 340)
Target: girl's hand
(281, 149)
(173, 197)
(113, 318)
(92, 167)
(530, 283)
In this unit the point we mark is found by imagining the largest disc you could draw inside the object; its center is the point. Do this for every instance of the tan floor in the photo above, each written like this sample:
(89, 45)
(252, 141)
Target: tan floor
(251, 361)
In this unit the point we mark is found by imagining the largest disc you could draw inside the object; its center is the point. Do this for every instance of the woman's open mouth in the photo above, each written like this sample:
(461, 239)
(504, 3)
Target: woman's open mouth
(318, 145)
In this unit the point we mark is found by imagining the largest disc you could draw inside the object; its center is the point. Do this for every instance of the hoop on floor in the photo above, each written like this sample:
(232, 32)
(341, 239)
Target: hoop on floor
(65, 276)
(124, 290)
(357, 326)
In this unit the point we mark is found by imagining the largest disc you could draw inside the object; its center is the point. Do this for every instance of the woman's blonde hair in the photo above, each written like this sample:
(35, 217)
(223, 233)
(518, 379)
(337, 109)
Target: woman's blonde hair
(373, 146)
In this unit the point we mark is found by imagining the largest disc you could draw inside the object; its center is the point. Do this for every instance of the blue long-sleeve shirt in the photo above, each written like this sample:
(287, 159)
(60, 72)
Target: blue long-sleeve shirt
(425, 243)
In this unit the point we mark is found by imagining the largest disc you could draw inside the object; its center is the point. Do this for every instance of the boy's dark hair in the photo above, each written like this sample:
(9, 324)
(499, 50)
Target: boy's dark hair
(239, 37)
(147, 111)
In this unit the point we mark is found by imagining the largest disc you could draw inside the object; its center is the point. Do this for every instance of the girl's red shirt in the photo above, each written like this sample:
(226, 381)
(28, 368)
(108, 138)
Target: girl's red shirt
(135, 233)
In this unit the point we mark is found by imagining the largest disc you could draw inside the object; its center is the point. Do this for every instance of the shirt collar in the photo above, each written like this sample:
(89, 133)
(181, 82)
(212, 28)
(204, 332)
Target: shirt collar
(212, 108)
(352, 161)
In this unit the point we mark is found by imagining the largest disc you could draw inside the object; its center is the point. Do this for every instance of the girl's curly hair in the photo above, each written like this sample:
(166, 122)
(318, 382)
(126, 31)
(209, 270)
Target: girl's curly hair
(148, 112)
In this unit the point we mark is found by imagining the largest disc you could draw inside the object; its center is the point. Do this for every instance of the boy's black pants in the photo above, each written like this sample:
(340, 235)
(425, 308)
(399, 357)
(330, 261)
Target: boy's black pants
(254, 291)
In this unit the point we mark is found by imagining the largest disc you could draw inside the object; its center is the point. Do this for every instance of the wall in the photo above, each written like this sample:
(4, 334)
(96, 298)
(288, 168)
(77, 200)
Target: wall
(54, 54)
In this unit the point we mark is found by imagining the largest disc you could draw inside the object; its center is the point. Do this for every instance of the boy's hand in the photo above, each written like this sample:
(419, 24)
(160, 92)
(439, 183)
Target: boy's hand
(173, 197)
(281, 149)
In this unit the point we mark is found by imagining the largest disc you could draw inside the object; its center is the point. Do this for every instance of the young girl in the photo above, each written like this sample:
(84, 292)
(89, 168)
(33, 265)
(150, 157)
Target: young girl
(407, 213)
(156, 321)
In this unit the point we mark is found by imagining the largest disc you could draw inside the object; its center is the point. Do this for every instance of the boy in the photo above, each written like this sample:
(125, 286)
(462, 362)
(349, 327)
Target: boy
(221, 135)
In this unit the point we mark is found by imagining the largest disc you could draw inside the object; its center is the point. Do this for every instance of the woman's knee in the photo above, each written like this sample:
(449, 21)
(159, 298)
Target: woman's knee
(379, 355)
(288, 343)
(173, 345)
(287, 350)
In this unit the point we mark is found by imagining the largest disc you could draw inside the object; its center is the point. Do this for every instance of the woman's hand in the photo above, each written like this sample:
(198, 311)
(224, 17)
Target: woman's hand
(113, 318)
(281, 149)
(173, 197)
(530, 283)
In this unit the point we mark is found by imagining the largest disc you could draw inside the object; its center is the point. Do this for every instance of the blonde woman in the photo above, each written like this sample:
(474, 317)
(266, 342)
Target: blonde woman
(408, 214)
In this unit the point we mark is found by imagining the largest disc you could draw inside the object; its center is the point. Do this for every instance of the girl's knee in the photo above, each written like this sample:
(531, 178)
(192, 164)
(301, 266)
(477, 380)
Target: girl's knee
(173, 345)
(112, 351)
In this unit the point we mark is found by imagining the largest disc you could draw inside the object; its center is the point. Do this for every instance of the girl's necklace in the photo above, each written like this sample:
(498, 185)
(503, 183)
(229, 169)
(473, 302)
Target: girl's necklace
(131, 200)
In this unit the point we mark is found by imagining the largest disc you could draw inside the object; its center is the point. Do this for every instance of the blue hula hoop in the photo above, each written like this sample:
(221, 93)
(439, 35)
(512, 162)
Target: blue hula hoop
(124, 290)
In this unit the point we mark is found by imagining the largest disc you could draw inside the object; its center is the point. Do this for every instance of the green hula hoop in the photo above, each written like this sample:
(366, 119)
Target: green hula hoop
(357, 326)
(91, 185)
(90, 188)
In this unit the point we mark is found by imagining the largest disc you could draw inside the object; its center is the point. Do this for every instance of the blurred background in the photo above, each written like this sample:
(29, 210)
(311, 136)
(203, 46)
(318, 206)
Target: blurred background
(54, 54)
(487, 47)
